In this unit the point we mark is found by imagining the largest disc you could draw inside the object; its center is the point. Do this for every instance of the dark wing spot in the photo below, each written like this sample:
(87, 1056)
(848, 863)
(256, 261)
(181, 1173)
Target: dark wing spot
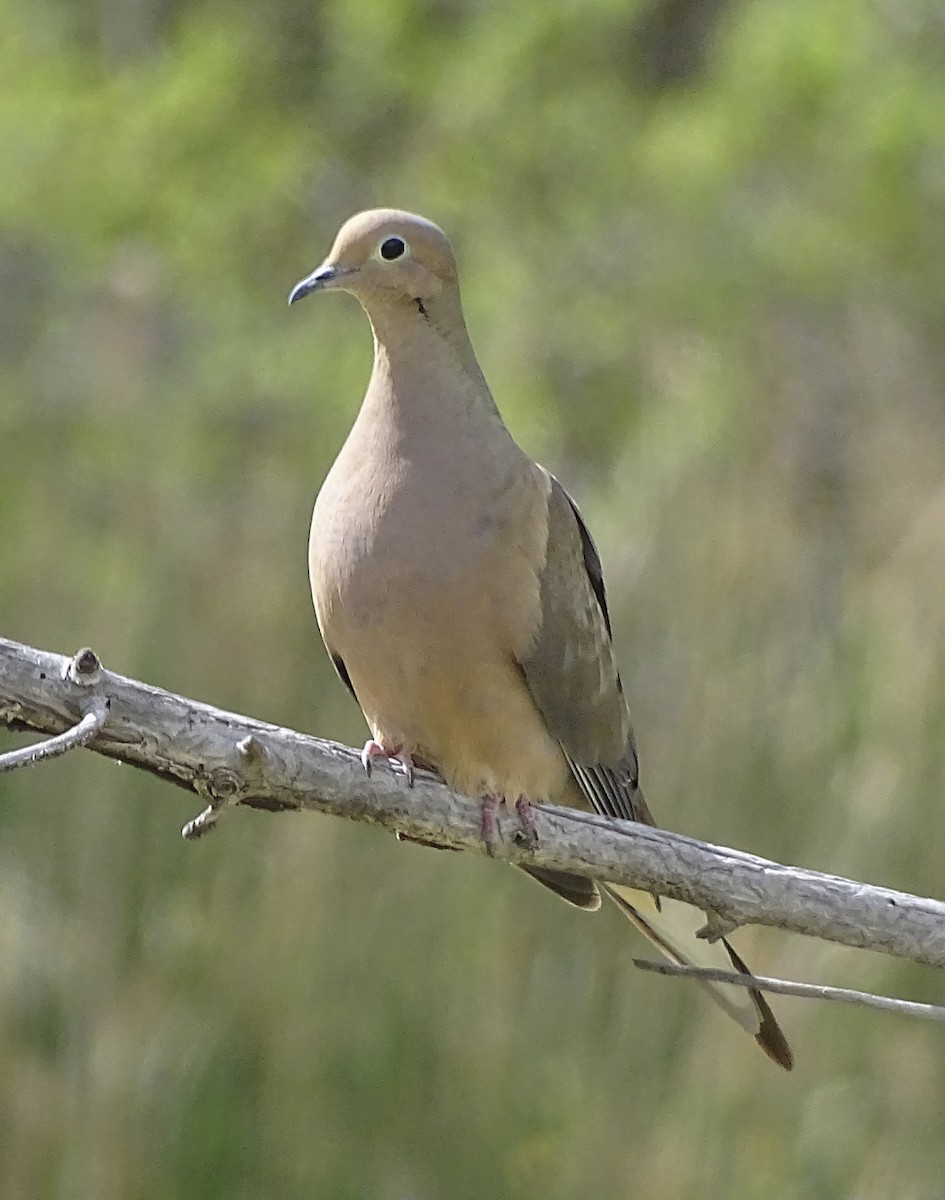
(343, 674)
(592, 564)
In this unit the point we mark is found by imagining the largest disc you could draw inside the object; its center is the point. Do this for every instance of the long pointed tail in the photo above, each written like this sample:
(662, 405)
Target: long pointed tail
(745, 1005)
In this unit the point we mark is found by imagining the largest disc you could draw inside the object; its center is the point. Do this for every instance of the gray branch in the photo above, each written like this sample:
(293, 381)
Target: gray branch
(94, 708)
(229, 760)
(788, 987)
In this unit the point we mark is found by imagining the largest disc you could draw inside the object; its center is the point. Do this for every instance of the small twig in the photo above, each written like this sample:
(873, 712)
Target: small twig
(201, 825)
(716, 927)
(78, 735)
(787, 987)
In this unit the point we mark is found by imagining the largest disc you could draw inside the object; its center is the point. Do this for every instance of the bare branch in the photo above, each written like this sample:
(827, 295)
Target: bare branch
(787, 987)
(79, 735)
(230, 760)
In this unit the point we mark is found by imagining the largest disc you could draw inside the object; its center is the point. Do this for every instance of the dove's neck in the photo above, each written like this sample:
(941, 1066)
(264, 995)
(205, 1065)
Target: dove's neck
(426, 375)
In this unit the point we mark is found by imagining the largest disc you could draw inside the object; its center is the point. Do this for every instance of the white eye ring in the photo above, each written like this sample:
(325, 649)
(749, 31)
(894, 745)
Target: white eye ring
(392, 248)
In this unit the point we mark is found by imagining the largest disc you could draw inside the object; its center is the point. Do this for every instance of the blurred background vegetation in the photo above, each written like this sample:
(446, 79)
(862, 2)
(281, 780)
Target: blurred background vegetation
(702, 246)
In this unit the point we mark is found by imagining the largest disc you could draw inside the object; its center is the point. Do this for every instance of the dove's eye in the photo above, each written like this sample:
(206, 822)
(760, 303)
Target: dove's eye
(392, 248)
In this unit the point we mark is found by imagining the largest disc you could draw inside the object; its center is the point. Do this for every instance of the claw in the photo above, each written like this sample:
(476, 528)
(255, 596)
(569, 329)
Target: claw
(526, 816)
(488, 823)
(373, 750)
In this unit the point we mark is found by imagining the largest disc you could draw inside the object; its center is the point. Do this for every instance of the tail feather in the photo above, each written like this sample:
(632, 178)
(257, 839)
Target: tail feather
(746, 1006)
(576, 889)
(770, 1036)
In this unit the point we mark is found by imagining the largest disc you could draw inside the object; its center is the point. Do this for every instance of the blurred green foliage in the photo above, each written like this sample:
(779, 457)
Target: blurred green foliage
(702, 249)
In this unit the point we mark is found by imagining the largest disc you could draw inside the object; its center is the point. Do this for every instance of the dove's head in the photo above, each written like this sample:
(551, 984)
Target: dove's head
(385, 257)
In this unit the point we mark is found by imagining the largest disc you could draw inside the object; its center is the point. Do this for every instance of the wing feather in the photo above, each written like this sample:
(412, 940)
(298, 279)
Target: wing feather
(571, 670)
(573, 678)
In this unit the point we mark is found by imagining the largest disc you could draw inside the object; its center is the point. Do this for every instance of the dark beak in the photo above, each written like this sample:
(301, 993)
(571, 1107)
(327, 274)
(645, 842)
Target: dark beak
(319, 280)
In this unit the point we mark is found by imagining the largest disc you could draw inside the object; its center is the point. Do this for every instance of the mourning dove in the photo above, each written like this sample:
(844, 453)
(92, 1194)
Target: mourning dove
(458, 590)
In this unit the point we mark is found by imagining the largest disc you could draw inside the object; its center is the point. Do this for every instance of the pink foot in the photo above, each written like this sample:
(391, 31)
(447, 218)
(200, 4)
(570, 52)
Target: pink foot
(373, 750)
(488, 821)
(526, 818)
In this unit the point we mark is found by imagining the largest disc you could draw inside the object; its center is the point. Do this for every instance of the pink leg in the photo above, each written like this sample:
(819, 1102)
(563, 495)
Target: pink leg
(489, 824)
(527, 819)
(373, 750)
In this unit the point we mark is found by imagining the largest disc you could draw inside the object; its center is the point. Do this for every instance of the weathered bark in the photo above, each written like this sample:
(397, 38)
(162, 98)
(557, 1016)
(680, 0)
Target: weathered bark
(231, 760)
